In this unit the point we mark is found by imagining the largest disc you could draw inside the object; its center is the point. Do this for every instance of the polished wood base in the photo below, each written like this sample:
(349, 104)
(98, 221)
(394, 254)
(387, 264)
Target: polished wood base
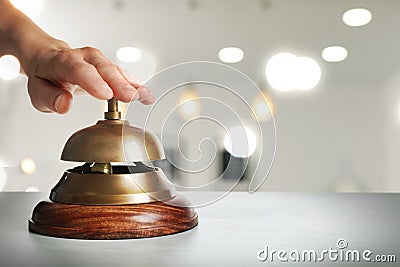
(113, 222)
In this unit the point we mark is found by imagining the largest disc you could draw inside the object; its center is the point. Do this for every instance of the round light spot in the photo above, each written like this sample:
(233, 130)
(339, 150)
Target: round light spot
(280, 70)
(231, 54)
(308, 73)
(129, 54)
(28, 166)
(31, 8)
(334, 53)
(357, 17)
(235, 142)
(9, 67)
(287, 72)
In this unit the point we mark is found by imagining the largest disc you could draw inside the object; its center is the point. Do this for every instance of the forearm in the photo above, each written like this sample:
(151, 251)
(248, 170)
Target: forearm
(22, 38)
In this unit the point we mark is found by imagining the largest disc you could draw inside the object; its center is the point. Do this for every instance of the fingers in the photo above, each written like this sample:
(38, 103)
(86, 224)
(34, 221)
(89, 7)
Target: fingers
(69, 67)
(47, 97)
(89, 69)
(145, 95)
(109, 72)
(87, 77)
(124, 89)
(63, 102)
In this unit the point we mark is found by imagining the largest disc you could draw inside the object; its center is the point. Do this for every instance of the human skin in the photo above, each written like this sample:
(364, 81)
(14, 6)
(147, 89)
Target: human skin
(55, 70)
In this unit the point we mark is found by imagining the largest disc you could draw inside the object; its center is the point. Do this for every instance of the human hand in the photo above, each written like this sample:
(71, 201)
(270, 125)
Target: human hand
(52, 76)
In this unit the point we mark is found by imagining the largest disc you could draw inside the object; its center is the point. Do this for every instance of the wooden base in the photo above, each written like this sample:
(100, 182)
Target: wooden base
(112, 222)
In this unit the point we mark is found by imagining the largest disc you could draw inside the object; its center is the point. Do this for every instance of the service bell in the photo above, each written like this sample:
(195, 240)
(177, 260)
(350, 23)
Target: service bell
(117, 192)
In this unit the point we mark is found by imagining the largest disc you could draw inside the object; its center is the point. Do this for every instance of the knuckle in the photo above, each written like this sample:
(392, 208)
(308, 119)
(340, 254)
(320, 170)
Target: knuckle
(120, 70)
(117, 82)
(105, 65)
(63, 54)
(78, 67)
(65, 58)
(86, 48)
(91, 51)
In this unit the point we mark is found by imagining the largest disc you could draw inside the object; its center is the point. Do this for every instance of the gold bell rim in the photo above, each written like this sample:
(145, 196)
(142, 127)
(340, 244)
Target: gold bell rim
(112, 189)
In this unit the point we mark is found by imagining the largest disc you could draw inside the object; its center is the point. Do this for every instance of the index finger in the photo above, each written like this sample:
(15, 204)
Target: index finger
(122, 88)
(72, 68)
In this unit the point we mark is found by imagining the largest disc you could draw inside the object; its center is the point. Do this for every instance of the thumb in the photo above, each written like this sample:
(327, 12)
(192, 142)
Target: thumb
(47, 97)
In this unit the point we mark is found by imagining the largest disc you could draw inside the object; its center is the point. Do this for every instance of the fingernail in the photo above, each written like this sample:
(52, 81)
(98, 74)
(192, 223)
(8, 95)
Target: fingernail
(148, 100)
(57, 103)
(144, 89)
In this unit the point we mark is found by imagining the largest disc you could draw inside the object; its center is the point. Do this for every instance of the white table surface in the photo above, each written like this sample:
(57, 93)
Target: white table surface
(230, 233)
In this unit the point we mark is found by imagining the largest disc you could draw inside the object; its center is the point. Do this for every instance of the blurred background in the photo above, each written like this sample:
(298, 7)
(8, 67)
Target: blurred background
(329, 71)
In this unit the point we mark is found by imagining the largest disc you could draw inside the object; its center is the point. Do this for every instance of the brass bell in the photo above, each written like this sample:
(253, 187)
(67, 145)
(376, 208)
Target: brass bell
(115, 177)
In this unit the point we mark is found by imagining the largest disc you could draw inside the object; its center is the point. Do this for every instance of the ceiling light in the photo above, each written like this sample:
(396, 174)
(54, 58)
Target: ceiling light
(31, 8)
(9, 67)
(28, 166)
(280, 71)
(334, 53)
(235, 142)
(129, 54)
(357, 17)
(308, 73)
(287, 72)
(231, 54)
